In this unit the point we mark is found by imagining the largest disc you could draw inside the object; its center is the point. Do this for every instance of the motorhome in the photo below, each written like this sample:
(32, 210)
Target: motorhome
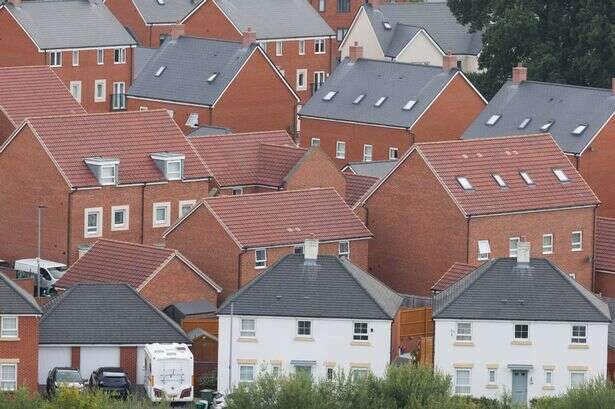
(169, 370)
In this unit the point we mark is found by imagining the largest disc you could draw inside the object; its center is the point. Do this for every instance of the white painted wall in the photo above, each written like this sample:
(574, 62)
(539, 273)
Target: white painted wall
(140, 366)
(492, 345)
(363, 33)
(49, 357)
(92, 358)
(276, 341)
(421, 50)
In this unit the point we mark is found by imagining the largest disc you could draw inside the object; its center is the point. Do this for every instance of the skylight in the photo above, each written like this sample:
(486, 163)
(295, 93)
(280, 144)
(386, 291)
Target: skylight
(546, 126)
(329, 95)
(212, 77)
(358, 99)
(409, 105)
(161, 2)
(526, 177)
(499, 180)
(380, 101)
(524, 123)
(387, 25)
(493, 119)
(561, 175)
(579, 129)
(464, 182)
(160, 71)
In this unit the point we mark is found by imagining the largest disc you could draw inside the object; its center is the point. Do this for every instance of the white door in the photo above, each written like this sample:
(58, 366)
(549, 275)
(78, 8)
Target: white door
(49, 358)
(93, 358)
(140, 366)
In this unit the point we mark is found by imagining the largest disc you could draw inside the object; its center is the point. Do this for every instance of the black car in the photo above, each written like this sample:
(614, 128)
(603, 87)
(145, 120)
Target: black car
(63, 377)
(112, 380)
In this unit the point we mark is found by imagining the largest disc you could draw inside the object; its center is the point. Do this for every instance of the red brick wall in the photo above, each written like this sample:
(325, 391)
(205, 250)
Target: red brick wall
(128, 362)
(128, 15)
(17, 48)
(317, 170)
(6, 127)
(25, 349)
(605, 284)
(75, 358)
(337, 19)
(210, 22)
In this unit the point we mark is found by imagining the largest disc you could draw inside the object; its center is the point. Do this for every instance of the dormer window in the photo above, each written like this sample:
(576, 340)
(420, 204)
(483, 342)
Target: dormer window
(160, 71)
(465, 183)
(525, 123)
(107, 175)
(380, 102)
(387, 25)
(104, 169)
(170, 164)
(579, 129)
(212, 77)
(493, 119)
(329, 95)
(409, 105)
(358, 99)
(546, 126)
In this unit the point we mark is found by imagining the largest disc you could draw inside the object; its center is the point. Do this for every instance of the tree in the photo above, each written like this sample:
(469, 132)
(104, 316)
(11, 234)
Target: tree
(564, 41)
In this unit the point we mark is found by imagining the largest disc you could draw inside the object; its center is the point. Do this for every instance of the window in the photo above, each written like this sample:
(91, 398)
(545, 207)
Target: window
(358, 99)
(547, 125)
(409, 105)
(548, 377)
(577, 379)
(492, 376)
(75, 90)
(330, 373)
(579, 334)
(100, 56)
(499, 180)
(119, 56)
(484, 250)
(319, 46)
(344, 249)
(279, 48)
(75, 54)
(185, 206)
(301, 83)
(248, 327)
(263, 45)
(462, 381)
(304, 328)
(341, 33)
(260, 257)
(513, 246)
(322, 5)
(380, 101)
(119, 97)
(298, 249)
(55, 58)
(120, 217)
(526, 178)
(174, 170)
(465, 183)
(93, 222)
(524, 123)
(275, 371)
(160, 70)
(343, 6)
(301, 47)
(367, 153)
(193, 120)
(340, 150)
(8, 327)
(305, 370)
(319, 79)
(246, 373)
(315, 142)
(358, 373)
(360, 332)
(522, 331)
(100, 87)
(237, 191)
(464, 331)
(579, 129)
(162, 214)
(8, 377)
(329, 96)
(108, 175)
(561, 175)
(576, 241)
(393, 153)
(547, 244)
(387, 25)
(170, 112)
(493, 119)
(212, 77)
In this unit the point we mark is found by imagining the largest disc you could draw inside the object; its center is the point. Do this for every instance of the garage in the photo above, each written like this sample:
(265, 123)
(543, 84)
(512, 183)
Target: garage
(92, 358)
(49, 357)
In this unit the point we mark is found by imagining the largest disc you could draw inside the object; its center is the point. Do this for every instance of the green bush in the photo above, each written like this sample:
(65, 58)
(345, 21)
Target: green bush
(595, 394)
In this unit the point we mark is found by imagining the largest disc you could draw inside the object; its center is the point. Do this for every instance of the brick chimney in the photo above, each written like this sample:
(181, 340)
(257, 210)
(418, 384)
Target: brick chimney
(523, 251)
(375, 3)
(449, 61)
(355, 52)
(16, 3)
(177, 31)
(249, 37)
(519, 74)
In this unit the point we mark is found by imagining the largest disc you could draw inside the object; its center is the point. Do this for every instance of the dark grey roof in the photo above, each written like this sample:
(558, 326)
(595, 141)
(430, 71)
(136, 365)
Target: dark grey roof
(210, 130)
(189, 62)
(435, 18)
(271, 19)
(503, 290)
(105, 314)
(399, 82)
(569, 106)
(141, 56)
(377, 168)
(195, 307)
(58, 24)
(15, 300)
(171, 11)
(330, 288)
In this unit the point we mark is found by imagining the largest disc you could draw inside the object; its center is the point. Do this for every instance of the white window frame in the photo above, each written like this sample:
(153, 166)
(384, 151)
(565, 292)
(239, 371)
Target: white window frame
(55, 58)
(368, 157)
(100, 56)
(319, 79)
(482, 256)
(315, 142)
(572, 373)
(322, 6)
(124, 226)
(237, 191)
(99, 229)
(547, 249)
(121, 53)
(340, 150)
(320, 46)
(103, 97)
(247, 332)
(167, 221)
(576, 245)
(512, 252)
(527, 178)
(261, 262)
(246, 380)
(301, 73)
(184, 203)
(393, 153)
(462, 336)
(467, 387)
(5, 382)
(578, 339)
(548, 377)
(77, 85)
(515, 331)
(119, 88)
(495, 376)
(301, 46)
(12, 333)
(360, 335)
(279, 48)
(75, 58)
(175, 175)
(193, 120)
(561, 175)
(310, 327)
(108, 180)
(341, 252)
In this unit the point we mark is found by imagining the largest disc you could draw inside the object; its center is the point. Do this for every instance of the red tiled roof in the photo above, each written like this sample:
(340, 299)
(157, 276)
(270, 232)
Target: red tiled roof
(605, 244)
(130, 137)
(34, 91)
(479, 159)
(255, 158)
(285, 217)
(356, 186)
(454, 274)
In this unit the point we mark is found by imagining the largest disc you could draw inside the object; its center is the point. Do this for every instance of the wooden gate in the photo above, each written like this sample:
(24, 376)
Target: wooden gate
(415, 334)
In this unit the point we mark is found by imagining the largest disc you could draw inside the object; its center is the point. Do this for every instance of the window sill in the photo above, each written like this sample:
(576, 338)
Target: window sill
(304, 339)
(361, 343)
(260, 267)
(92, 236)
(463, 344)
(578, 346)
(520, 342)
(9, 339)
(122, 228)
(247, 339)
(548, 388)
(492, 386)
(160, 226)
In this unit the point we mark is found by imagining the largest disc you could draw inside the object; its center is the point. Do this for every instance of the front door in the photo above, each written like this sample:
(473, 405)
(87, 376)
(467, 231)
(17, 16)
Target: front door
(519, 388)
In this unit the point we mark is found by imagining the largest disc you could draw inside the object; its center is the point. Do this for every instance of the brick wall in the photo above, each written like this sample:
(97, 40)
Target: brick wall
(128, 362)
(317, 169)
(6, 127)
(605, 284)
(75, 358)
(128, 15)
(17, 48)
(337, 19)
(24, 352)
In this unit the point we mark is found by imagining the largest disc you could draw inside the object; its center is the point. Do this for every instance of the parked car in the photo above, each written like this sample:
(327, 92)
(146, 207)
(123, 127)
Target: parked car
(50, 271)
(112, 380)
(65, 378)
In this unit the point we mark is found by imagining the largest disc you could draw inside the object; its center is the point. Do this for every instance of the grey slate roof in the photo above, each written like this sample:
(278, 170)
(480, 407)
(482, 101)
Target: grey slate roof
(331, 288)
(60, 24)
(14, 299)
(377, 168)
(569, 106)
(189, 62)
(503, 290)
(171, 11)
(271, 19)
(210, 130)
(435, 18)
(141, 56)
(399, 82)
(105, 314)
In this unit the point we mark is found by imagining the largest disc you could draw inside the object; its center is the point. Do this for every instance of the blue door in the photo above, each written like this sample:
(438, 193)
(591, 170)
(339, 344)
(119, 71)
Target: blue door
(519, 388)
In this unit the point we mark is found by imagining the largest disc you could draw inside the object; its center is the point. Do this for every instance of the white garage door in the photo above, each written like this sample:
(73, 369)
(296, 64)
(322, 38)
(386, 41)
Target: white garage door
(49, 358)
(140, 366)
(93, 358)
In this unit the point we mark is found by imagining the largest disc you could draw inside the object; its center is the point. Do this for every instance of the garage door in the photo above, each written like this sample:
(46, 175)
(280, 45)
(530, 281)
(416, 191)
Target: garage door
(93, 358)
(140, 366)
(49, 358)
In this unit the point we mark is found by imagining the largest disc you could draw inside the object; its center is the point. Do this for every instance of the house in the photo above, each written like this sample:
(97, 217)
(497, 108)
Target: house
(94, 325)
(413, 32)
(309, 313)
(32, 91)
(162, 276)
(240, 236)
(19, 334)
(581, 120)
(470, 201)
(205, 82)
(522, 326)
(339, 15)
(605, 256)
(124, 176)
(81, 40)
(375, 110)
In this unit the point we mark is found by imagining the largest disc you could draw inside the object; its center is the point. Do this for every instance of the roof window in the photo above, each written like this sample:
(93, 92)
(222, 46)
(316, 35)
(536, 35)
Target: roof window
(380, 101)
(526, 177)
(499, 180)
(579, 129)
(358, 99)
(212, 77)
(329, 95)
(465, 183)
(160, 71)
(525, 123)
(409, 105)
(493, 119)
(387, 25)
(161, 2)
(546, 126)
(561, 175)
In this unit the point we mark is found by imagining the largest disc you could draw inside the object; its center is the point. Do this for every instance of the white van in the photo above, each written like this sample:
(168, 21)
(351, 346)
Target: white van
(169, 370)
(50, 271)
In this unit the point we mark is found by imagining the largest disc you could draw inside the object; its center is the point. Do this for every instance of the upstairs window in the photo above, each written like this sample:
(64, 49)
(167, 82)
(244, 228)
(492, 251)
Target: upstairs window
(212, 77)
(301, 47)
(344, 249)
(170, 164)
(576, 241)
(8, 327)
(393, 153)
(319, 46)
(340, 150)
(524, 123)
(174, 170)
(279, 48)
(322, 5)
(260, 258)
(248, 328)
(579, 334)
(579, 129)
(100, 56)
(160, 70)
(119, 56)
(329, 96)
(75, 55)
(193, 120)
(93, 222)
(380, 101)
(409, 105)
(161, 214)
(513, 246)
(55, 58)
(298, 249)
(493, 119)
(367, 153)
(343, 6)
(526, 178)
(499, 180)
(315, 142)
(358, 99)
(547, 244)
(547, 126)
(484, 250)
(561, 175)
(360, 332)
(387, 25)
(464, 182)
(522, 331)
(464, 331)
(304, 328)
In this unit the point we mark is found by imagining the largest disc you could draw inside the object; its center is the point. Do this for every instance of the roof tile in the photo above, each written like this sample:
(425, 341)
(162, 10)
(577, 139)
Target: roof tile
(453, 274)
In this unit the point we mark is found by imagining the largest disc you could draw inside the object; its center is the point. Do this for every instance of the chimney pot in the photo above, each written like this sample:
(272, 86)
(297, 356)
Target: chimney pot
(177, 31)
(355, 52)
(249, 37)
(310, 250)
(519, 74)
(523, 252)
(449, 61)
(16, 3)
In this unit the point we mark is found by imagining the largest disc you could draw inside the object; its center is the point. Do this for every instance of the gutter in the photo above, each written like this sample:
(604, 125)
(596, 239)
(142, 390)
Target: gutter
(69, 224)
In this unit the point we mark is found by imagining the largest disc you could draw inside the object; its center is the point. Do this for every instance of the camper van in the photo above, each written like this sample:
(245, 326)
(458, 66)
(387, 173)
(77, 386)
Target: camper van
(169, 371)
(50, 271)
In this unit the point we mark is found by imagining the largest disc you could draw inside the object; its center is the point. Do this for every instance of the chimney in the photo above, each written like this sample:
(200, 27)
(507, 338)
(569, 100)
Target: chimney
(449, 61)
(355, 52)
(310, 251)
(16, 3)
(249, 37)
(375, 3)
(523, 251)
(519, 74)
(177, 31)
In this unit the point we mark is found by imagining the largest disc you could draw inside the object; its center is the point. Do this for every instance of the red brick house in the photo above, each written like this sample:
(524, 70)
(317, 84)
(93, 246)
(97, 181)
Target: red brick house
(339, 14)
(375, 110)
(124, 176)
(605, 256)
(32, 91)
(80, 40)
(160, 275)
(240, 236)
(472, 201)
(19, 320)
(205, 82)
